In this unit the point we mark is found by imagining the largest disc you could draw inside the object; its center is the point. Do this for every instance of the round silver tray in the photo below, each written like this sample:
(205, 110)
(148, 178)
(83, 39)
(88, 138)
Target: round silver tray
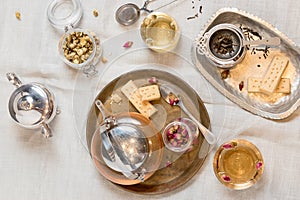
(122, 60)
(175, 168)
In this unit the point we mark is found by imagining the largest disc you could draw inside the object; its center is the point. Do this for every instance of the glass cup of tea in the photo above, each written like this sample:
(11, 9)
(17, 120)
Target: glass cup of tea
(160, 32)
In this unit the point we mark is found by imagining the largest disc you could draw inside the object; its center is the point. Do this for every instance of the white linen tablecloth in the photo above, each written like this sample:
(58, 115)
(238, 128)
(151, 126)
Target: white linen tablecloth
(32, 167)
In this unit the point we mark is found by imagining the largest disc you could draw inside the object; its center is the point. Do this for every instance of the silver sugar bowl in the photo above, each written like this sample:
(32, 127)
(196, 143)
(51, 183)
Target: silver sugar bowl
(32, 105)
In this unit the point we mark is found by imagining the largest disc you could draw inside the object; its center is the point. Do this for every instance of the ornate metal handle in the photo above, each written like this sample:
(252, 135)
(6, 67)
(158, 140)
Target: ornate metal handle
(201, 43)
(12, 77)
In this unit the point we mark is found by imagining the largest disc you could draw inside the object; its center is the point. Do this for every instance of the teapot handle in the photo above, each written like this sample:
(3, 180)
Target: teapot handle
(104, 112)
(12, 77)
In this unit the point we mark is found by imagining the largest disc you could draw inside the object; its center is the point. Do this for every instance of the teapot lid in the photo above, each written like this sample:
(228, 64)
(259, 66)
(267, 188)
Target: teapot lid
(31, 105)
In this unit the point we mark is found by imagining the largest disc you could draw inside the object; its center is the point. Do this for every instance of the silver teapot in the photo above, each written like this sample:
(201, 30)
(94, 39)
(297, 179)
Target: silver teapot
(32, 105)
(128, 144)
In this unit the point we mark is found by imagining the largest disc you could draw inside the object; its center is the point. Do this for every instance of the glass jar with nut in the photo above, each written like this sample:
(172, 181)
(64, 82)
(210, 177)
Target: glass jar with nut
(78, 48)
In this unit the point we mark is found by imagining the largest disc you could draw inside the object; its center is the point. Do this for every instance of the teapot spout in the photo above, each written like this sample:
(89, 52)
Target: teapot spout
(12, 77)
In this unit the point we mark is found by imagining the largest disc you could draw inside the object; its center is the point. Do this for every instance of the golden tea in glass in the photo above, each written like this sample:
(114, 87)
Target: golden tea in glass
(160, 32)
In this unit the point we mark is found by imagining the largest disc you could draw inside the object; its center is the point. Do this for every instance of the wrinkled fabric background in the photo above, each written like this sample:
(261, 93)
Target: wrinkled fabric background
(32, 167)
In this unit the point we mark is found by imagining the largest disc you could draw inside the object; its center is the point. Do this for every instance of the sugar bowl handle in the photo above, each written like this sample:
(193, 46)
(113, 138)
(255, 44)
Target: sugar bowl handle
(12, 77)
(46, 131)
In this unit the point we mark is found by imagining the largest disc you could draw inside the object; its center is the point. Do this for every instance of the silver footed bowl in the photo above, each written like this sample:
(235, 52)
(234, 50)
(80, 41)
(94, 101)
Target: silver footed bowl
(32, 105)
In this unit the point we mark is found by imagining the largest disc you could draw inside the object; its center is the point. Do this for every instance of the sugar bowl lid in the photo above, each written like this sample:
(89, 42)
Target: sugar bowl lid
(31, 105)
(64, 13)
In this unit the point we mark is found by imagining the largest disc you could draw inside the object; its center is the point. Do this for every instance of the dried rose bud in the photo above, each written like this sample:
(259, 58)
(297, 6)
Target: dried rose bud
(259, 165)
(128, 44)
(152, 80)
(168, 164)
(228, 146)
(226, 178)
(241, 85)
(225, 74)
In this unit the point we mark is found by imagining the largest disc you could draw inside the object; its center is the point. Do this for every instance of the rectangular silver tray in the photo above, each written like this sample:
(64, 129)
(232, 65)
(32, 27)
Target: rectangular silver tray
(275, 106)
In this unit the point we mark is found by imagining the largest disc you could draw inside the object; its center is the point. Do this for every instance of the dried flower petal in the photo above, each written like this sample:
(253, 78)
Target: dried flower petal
(168, 164)
(152, 80)
(226, 178)
(177, 136)
(228, 146)
(171, 102)
(18, 15)
(128, 44)
(259, 165)
(176, 101)
(241, 85)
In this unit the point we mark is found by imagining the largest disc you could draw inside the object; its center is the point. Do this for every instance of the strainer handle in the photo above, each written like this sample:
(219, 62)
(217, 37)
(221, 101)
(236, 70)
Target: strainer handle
(202, 44)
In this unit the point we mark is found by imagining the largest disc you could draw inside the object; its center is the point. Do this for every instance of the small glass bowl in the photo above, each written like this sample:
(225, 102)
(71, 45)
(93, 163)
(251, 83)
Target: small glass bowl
(238, 164)
(177, 136)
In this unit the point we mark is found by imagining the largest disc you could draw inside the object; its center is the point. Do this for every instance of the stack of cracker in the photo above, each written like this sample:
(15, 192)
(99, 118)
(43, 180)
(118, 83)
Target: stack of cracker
(272, 82)
(141, 97)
